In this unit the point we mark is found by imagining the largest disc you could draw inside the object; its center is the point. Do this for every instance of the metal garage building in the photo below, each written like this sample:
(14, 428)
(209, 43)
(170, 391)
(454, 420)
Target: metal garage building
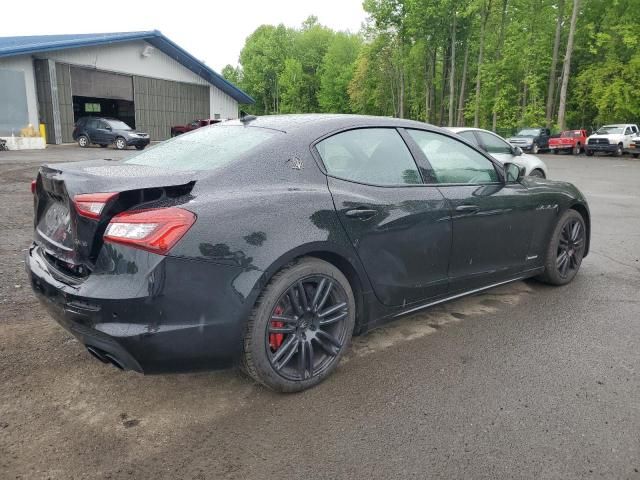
(142, 78)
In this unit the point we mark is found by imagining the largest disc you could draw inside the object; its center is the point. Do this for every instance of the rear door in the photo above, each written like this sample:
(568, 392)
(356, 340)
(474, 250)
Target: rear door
(492, 221)
(399, 227)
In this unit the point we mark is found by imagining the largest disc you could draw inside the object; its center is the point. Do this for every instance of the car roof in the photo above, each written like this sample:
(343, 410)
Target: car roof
(318, 122)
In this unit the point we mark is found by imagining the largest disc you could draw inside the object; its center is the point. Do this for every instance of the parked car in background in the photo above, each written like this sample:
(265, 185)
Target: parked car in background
(108, 131)
(267, 242)
(531, 139)
(570, 141)
(613, 139)
(502, 151)
(634, 147)
(180, 129)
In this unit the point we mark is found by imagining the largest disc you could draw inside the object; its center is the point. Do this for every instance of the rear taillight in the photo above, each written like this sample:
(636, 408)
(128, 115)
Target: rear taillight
(90, 205)
(156, 230)
(33, 187)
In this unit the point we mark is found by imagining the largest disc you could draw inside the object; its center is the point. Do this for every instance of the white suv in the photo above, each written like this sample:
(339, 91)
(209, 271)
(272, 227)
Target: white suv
(612, 138)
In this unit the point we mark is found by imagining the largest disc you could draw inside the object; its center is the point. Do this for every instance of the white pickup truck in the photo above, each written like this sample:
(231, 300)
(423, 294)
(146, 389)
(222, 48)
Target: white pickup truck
(614, 139)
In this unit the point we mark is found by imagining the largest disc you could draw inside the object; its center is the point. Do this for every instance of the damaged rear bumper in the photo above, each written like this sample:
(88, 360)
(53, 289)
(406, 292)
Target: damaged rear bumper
(146, 312)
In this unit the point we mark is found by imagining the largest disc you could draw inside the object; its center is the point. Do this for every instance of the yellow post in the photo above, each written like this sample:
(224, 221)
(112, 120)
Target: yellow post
(43, 131)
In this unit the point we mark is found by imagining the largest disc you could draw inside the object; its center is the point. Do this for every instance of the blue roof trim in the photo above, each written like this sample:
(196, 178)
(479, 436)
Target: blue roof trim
(11, 46)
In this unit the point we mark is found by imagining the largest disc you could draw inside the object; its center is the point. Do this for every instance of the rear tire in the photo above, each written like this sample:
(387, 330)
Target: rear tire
(309, 342)
(577, 149)
(565, 250)
(535, 149)
(83, 141)
(120, 143)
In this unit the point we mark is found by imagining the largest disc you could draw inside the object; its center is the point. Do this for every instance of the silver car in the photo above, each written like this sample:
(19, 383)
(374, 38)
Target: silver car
(501, 150)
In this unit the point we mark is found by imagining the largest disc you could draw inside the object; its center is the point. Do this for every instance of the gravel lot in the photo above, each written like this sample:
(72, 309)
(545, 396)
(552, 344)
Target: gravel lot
(525, 381)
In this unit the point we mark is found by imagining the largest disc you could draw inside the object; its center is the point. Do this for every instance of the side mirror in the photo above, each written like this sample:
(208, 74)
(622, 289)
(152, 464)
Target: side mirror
(513, 173)
(517, 151)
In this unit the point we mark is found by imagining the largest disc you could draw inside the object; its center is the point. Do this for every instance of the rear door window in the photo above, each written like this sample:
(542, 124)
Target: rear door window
(374, 156)
(470, 136)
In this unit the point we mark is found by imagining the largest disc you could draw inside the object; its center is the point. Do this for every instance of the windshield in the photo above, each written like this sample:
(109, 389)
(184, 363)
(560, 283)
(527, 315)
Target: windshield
(118, 125)
(571, 133)
(528, 132)
(205, 148)
(608, 129)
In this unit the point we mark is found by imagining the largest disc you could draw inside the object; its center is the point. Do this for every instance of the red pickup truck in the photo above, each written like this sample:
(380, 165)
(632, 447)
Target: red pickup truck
(180, 129)
(569, 141)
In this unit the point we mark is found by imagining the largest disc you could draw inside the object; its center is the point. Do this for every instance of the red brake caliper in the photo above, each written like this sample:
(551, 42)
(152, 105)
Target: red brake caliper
(275, 339)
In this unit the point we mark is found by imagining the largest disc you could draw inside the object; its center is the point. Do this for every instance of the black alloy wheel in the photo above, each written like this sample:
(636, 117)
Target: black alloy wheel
(301, 326)
(566, 249)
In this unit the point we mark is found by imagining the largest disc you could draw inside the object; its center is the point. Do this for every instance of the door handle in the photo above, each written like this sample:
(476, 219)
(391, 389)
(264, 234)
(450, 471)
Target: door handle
(361, 213)
(467, 208)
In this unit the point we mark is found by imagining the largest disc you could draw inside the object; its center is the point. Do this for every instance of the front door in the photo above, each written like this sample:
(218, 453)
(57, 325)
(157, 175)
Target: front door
(399, 227)
(492, 220)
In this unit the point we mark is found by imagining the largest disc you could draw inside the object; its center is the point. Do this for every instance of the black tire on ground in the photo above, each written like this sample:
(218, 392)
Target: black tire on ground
(83, 141)
(537, 173)
(636, 155)
(120, 143)
(286, 366)
(588, 153)
(140, 147)
(618, 151)
(535, 148)
(555, 151)
(577, 149)
(565, 250)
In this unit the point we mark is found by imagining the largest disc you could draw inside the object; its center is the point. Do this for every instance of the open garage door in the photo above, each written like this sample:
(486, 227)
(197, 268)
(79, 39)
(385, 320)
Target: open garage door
(103, 94)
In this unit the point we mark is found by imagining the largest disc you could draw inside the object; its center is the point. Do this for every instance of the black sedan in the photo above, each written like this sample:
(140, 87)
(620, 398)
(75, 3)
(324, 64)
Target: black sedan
(267, 242)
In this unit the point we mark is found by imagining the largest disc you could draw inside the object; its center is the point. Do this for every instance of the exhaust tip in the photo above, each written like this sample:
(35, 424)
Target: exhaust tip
(105, 357)
(97, 354)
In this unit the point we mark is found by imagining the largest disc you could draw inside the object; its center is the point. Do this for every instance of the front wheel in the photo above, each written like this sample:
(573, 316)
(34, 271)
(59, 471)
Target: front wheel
(566, 249)
(537, 173)
(121, 143)
(618, 151)
(300, 327)
(535, 148)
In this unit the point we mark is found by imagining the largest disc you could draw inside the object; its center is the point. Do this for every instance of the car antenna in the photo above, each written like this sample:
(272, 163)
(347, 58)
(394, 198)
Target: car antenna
(245, 117)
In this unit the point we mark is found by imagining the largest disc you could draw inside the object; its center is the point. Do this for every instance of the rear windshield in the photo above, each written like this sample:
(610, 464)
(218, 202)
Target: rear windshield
(204, 149)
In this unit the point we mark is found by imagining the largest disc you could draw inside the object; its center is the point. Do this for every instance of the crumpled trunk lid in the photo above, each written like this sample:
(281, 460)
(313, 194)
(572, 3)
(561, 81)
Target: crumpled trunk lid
(71, 241)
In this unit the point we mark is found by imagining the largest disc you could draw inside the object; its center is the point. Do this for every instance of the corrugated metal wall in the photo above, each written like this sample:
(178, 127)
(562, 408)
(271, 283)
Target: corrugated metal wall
(161, 104)
(65, 101)
(45, 104)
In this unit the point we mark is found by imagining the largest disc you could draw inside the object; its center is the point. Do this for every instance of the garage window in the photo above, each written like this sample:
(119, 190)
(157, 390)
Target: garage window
(92, 107)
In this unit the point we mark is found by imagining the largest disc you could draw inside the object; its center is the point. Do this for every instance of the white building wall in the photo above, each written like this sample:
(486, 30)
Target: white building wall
(24, 63)
(222, 104)
(127, 58)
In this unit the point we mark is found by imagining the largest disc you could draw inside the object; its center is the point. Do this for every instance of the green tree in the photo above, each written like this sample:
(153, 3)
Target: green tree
(337, 71)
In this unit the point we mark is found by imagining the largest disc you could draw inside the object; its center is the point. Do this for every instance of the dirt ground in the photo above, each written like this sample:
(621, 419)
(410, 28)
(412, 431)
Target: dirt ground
(389, 411)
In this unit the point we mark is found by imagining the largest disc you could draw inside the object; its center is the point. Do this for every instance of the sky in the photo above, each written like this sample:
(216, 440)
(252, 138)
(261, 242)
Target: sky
(211, 30)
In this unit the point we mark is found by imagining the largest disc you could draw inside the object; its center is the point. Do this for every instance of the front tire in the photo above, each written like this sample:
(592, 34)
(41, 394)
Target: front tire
(120, 143)
(577, 149)
(618, 152)
(537, 173)
(566, 249)
(535, 149)
(83, 141)
(300, 327)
